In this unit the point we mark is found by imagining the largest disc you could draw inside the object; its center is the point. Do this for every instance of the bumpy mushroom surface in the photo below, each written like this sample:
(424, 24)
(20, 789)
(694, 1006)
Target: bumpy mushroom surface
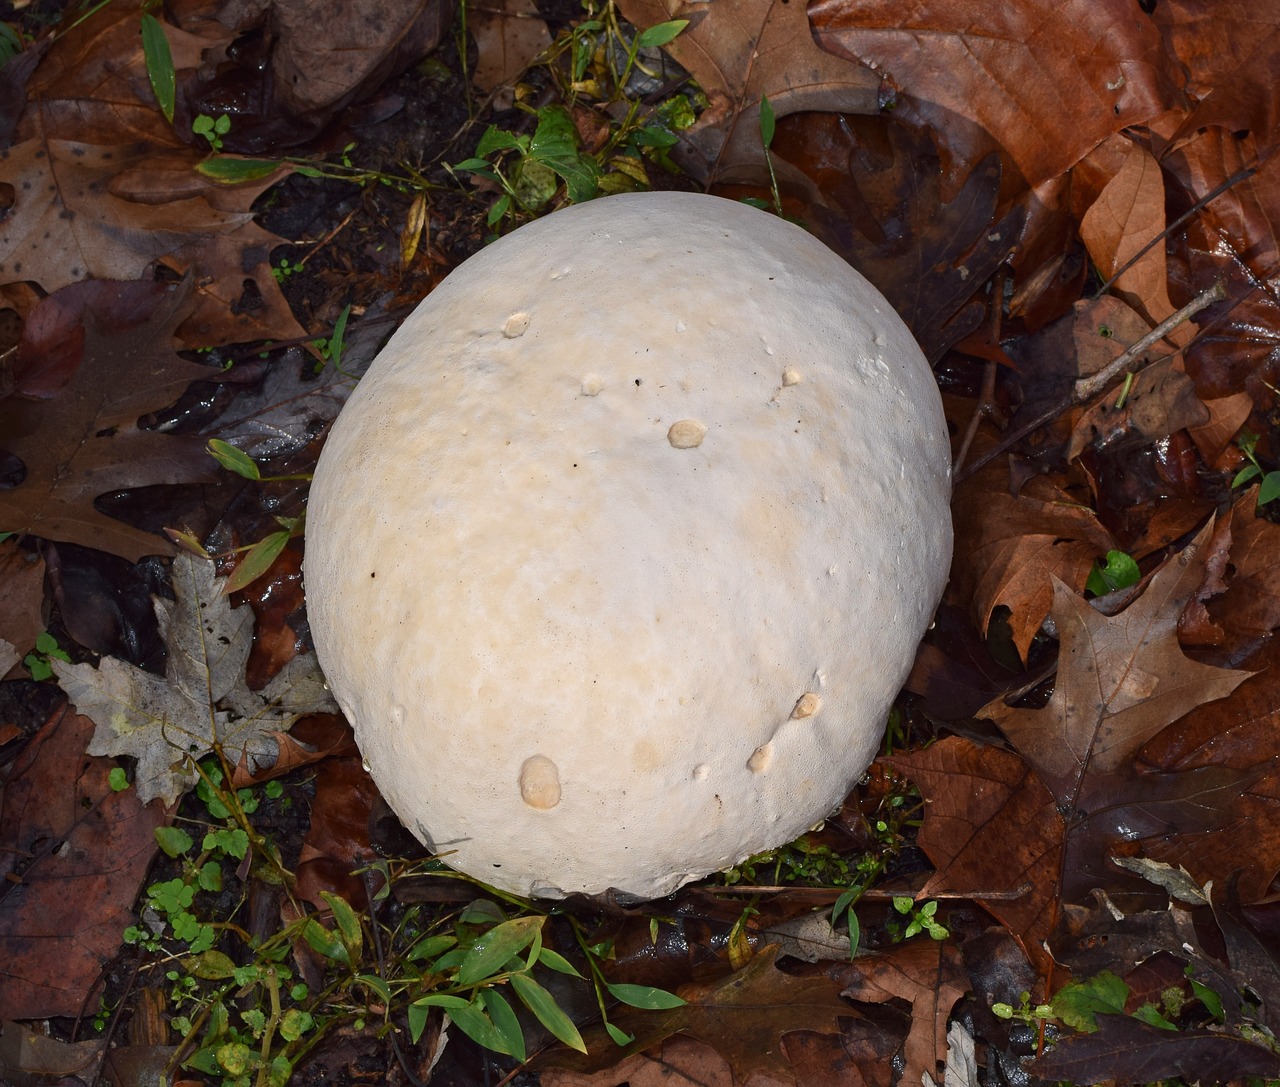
(620, 552)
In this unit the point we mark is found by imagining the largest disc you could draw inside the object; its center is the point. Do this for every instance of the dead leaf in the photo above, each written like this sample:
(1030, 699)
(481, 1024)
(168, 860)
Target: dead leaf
(28, 1057)
(21, 603)
(202, 701)
(929, 257)
(1024, 73)
(1160, 401)
(1127, 1050)
(742, 1017)
(928, 975)
(1121, 679)
(84, 441)
(337, 842)
(1127, 216)
(739, 50)
(509, 34)
(1009, 549)
(73, 841)
(1231, 52)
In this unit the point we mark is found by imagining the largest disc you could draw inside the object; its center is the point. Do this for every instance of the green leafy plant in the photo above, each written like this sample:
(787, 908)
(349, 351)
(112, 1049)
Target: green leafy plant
(768, 127)
(591, 65)
(921, 918)
(1269, 488)
(212, 129)
(258, 556)
(1119, 571)
(46, 649)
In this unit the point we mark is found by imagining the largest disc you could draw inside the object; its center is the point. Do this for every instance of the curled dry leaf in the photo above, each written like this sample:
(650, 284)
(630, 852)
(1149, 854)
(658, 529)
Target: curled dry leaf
(202, 702)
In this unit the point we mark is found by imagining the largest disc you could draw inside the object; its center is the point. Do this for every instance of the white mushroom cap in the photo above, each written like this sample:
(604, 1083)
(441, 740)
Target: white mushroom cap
(620, 552)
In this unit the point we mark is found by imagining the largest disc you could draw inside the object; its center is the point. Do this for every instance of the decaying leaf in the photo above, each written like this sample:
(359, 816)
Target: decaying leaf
(743, 1017)
(509, 34)
(1010, 77)
(1022, 832)
(1121, 679)
(72, 841)
(742, 50)
(83, 441)
(202, 701)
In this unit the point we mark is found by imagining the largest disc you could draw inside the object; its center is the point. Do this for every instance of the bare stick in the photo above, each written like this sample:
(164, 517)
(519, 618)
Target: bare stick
(1086, 387)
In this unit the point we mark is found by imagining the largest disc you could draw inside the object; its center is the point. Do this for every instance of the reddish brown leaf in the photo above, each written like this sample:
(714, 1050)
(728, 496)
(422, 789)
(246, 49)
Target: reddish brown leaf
(743, 1017)
(1250, 607)
(73, 841)
(1043, 80)
(85, 442)
(509, 34)
(1010, 549)
(22, 599)
(1129, 214)
(929, 976)
(1121, 680)
(739, 52)
(994, 833)
(337, 841)
(1231, 52)
(1127, 1050)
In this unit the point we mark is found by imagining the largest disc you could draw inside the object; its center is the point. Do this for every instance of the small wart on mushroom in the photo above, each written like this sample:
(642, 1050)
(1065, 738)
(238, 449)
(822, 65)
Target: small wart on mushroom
(515, 326)
(808, 705)
(686, 434)
(540, 783)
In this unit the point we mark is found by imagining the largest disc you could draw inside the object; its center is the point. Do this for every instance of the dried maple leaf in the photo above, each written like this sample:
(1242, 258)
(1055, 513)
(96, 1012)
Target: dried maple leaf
(202, 702)
(79, 842)
(1044, 80)
(1021, 833)
(738, 51)
(1121, 679)
(84, 441)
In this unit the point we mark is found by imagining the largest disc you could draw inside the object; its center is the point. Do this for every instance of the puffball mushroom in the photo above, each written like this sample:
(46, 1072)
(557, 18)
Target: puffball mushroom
(620, 552)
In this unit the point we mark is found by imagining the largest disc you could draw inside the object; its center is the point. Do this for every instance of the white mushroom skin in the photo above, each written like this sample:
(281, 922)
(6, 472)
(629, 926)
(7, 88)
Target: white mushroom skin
(621, 551)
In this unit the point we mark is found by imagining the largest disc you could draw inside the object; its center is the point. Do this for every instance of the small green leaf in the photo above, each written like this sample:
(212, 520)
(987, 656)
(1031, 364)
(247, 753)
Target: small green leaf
(257, 561)
(173, 841)
(118, 779)
(493, 949)
(471, 165)
(324, 942)
(504, 1022)
(768, 122)
(469, 1018)
(496, 139)
(1152, 1017)
(620, 1036)
(644, 996)
(553, 960)
(429, 947)
(417, 1015)
(1270, 489)
(544, 1006)
(348, 925)
(1208, 997)
(1119, 572)
(155, 49)
(380, 988)
(660, 34)
(233, 459)
(1079, 1003)
(211, 965)
(236, 169)
(1248, 472)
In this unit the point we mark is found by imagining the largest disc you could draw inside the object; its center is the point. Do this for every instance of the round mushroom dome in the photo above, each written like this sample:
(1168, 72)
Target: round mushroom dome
(620, 552)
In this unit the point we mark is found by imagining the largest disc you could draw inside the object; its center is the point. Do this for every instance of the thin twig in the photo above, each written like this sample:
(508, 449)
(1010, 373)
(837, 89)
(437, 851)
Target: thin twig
(1086, 387)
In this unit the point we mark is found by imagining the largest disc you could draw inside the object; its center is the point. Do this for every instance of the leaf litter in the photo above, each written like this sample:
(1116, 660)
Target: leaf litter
(1048, 809)
(202, 703)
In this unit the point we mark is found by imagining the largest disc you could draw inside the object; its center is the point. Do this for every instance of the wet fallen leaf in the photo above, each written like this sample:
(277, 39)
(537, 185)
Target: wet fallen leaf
(73, 840)
(742, 1017)
(1010, 77)
(739, 51)
(22, 602)
(83, 441)
(1127, 1050)
(509, 34)
(202, 701)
